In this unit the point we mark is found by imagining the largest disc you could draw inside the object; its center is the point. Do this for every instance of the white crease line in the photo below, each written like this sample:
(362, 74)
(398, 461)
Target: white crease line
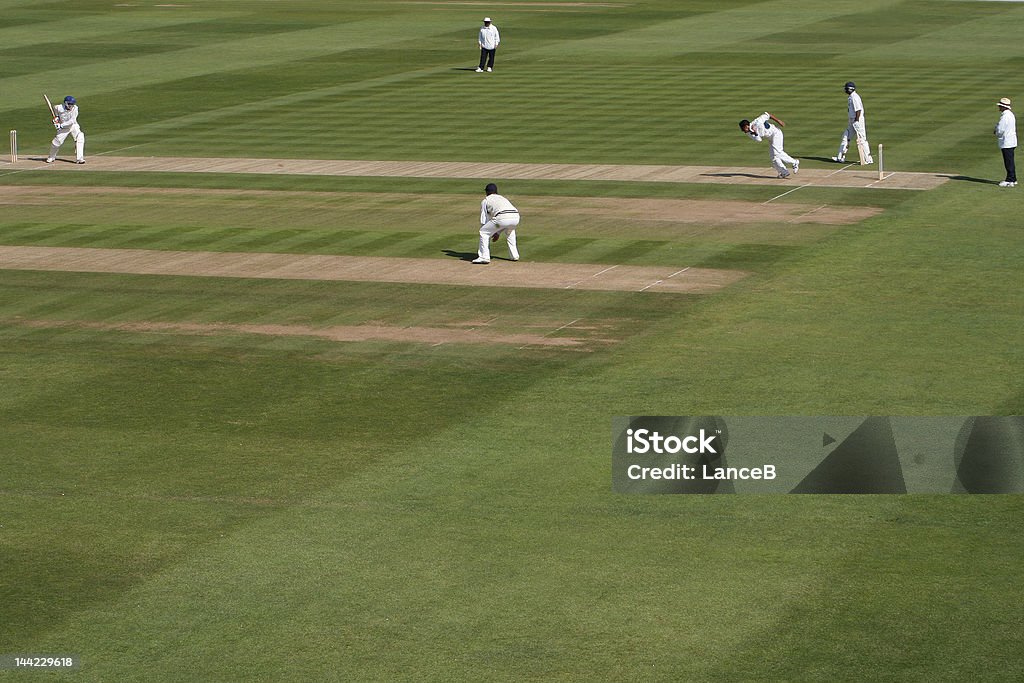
(809, 184)
(568, 324)
(473, 329)
(667, 278)
(111, 151)
(794, 219)
(883, 178)
(98, 154)
(571, 285)
(477, 327)
(571, 322)
(785, 193)
(841, 170)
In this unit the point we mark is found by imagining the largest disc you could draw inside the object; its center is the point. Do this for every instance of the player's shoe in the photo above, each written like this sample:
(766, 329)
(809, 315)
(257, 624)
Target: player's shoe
(50, 161)
(80, 161)
(841, 160)
(480, 260)
(870, 161)
(1006, 183)
(796, 166)
(489, 69)
(784, 174)
(479, 70)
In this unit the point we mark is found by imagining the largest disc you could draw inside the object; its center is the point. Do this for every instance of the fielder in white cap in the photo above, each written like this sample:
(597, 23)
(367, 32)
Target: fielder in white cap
(488, 40)
(1006, 133)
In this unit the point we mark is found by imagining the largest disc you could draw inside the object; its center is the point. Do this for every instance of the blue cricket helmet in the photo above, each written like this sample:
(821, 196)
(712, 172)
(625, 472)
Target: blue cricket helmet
(70, 101)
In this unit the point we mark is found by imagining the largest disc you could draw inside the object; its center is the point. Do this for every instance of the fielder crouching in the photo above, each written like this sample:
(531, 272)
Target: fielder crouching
(497, 215)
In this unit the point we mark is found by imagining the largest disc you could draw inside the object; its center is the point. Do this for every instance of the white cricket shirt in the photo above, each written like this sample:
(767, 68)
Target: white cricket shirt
(68, 117)
(489, 37)
(1006, 130)
(853, 105)
(495, 206)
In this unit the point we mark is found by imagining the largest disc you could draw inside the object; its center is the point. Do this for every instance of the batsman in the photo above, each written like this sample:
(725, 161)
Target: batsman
(856, 127)
(65, 120)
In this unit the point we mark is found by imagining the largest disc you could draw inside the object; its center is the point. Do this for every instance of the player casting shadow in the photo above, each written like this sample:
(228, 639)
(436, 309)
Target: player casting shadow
(829, 160)
(969, 179)
(461, 255)
(463, 68)
(736, 175)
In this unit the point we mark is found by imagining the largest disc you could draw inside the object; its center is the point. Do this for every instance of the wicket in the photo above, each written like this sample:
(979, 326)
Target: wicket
(14, 146)
(880, 162)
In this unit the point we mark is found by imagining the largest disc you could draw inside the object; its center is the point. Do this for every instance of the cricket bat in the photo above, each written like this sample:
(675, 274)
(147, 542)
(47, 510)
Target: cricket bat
(863, 151)
(53, 112)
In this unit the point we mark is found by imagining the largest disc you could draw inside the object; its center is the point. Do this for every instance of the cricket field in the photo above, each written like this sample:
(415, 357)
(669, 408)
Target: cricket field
(261, 419)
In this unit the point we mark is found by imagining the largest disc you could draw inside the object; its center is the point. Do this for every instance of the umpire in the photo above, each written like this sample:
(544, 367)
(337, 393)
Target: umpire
(488, 40)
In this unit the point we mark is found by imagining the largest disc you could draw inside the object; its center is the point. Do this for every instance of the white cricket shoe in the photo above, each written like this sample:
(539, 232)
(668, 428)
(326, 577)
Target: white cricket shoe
(480, 260)
(841, 160)
(1006, 183)
(50, 161)
(796, 166)
(784, 174)
(489, 69)
(479, 71)
(870, 161)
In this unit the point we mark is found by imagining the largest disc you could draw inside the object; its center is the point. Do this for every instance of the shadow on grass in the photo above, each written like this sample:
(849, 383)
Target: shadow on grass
(827, 160)
(969, 179)
(736, 175)
(461, 255)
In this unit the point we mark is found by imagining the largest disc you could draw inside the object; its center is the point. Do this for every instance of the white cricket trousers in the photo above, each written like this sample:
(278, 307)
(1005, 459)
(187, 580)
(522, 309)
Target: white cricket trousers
(76, 134)
(506, 224)
(777, 155)
(856, 130)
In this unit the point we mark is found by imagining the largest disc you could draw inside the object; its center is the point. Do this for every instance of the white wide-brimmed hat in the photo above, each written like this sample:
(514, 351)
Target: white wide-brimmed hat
(1004, 102)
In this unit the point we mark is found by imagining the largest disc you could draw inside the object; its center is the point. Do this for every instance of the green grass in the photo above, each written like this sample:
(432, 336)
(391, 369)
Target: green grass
(237, 506)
